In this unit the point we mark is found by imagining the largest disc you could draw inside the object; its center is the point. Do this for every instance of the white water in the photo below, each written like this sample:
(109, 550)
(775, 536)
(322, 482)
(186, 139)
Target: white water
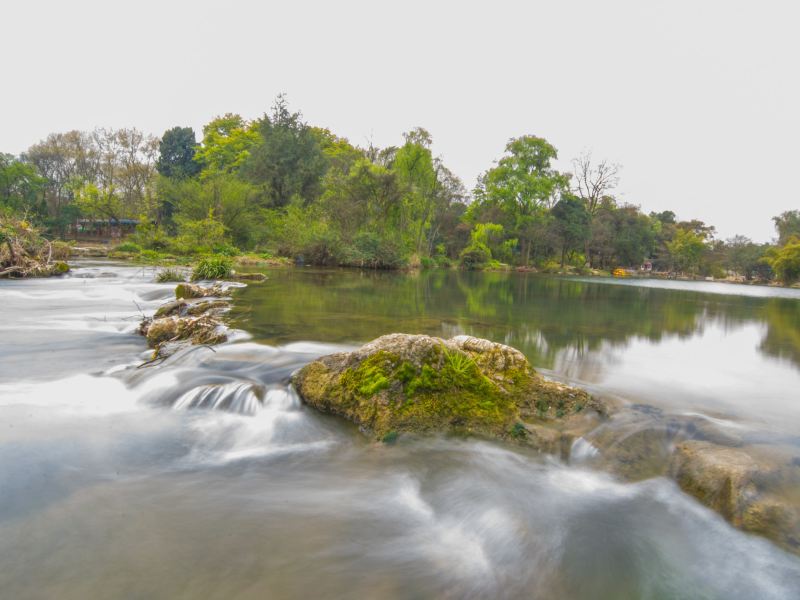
(205, 477)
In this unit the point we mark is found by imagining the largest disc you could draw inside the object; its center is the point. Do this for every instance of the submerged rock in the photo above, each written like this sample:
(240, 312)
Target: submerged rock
(755, 489)
(417, 383)
(248, 276)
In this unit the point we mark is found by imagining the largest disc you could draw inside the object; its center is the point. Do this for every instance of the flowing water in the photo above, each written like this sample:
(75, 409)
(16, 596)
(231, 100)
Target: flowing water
(204, 477)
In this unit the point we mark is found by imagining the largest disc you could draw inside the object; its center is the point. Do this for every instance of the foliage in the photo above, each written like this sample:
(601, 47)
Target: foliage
(785, 261)
(299, 192)
(176, 153)
(475, 256)
(687, 249)
(227, 141)
(788, 226)
(214, 267)
(287, 159)
(129, 247)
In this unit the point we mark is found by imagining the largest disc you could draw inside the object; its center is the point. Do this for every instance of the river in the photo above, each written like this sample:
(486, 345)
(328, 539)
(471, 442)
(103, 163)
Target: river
(203, 476)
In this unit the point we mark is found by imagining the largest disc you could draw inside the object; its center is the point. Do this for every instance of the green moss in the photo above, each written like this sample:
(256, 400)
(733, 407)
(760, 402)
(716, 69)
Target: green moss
(445, 392)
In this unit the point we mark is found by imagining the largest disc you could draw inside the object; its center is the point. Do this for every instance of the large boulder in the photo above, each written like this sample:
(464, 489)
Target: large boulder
(402, 383)
(754, 488)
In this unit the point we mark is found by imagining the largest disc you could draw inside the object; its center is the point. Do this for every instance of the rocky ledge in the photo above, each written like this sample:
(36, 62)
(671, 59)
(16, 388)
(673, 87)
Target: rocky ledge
(400, 384)
(194, 317)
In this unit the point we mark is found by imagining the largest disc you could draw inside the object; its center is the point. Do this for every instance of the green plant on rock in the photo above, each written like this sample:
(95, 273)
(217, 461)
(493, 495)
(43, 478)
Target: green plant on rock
(214, 267)
(170, 275)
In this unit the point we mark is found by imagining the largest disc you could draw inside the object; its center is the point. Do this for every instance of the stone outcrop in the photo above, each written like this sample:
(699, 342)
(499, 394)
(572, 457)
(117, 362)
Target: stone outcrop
(188, 291)
(402, 383)
(755, 489)
(194, 317)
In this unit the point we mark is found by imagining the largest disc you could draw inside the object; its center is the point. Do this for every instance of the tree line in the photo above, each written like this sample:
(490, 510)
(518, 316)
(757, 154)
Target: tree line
(278, 185)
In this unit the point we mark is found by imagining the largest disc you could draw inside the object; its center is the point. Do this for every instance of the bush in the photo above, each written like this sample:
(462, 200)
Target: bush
(551, 266)
(443, 261)
(322, 248)
(148, 235)
(475, 256)
(152, 255)
(129, 247)
(427, 263)
(214, 267)
(377, 252)
(226, 250)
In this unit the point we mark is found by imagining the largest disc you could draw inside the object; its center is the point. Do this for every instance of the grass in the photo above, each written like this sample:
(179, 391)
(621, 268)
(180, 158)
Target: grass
(214, 267)
(169, 275)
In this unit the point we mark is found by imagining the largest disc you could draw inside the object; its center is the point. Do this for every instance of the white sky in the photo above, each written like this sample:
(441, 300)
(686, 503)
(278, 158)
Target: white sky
(698, 100)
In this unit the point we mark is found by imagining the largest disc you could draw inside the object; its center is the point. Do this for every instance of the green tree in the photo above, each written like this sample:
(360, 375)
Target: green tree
(176, 153)
(788, 225)
(571, 225)
(523, 186)
(785, 261)
(20, 186)
(288, 159)
(745, 258)
(686, 250)
(227, 142)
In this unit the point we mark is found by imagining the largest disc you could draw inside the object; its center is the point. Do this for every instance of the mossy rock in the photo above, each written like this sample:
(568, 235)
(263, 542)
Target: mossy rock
(202, 330)
(188, 291)
(416, 383)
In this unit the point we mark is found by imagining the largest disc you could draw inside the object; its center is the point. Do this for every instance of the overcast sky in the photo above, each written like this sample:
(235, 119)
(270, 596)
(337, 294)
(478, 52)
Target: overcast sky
(698, 100)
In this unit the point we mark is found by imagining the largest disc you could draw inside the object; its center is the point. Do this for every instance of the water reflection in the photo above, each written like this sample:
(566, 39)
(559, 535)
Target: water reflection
(666, 343)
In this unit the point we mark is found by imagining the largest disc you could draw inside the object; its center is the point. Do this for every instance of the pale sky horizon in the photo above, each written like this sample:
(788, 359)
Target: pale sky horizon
(698, 101)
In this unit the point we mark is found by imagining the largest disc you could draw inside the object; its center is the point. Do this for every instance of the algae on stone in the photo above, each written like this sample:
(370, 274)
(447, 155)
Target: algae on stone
(416, 383)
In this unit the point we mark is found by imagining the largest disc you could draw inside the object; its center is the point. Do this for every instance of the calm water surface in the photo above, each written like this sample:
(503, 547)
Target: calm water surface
(204, 476)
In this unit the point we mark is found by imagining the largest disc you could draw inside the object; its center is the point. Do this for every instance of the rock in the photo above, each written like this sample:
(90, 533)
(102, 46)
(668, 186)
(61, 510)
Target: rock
(188, 291)
(754, 490)
(176, 307)
(183, 308)
(402, 383)
(207, 307)
(200, 330)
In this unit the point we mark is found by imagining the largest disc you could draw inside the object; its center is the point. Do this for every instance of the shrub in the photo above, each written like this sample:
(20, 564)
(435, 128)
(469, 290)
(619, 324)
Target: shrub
(322, 248)
(427, 263)
(214, 267)
(475, 256)
(551, 266)
(377, 252)
(226, 249)
(129, 247)
(148, 235)
(152, 255)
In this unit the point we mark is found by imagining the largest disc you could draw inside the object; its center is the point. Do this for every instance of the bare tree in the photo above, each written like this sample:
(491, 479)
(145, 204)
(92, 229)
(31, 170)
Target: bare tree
(594, 182)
